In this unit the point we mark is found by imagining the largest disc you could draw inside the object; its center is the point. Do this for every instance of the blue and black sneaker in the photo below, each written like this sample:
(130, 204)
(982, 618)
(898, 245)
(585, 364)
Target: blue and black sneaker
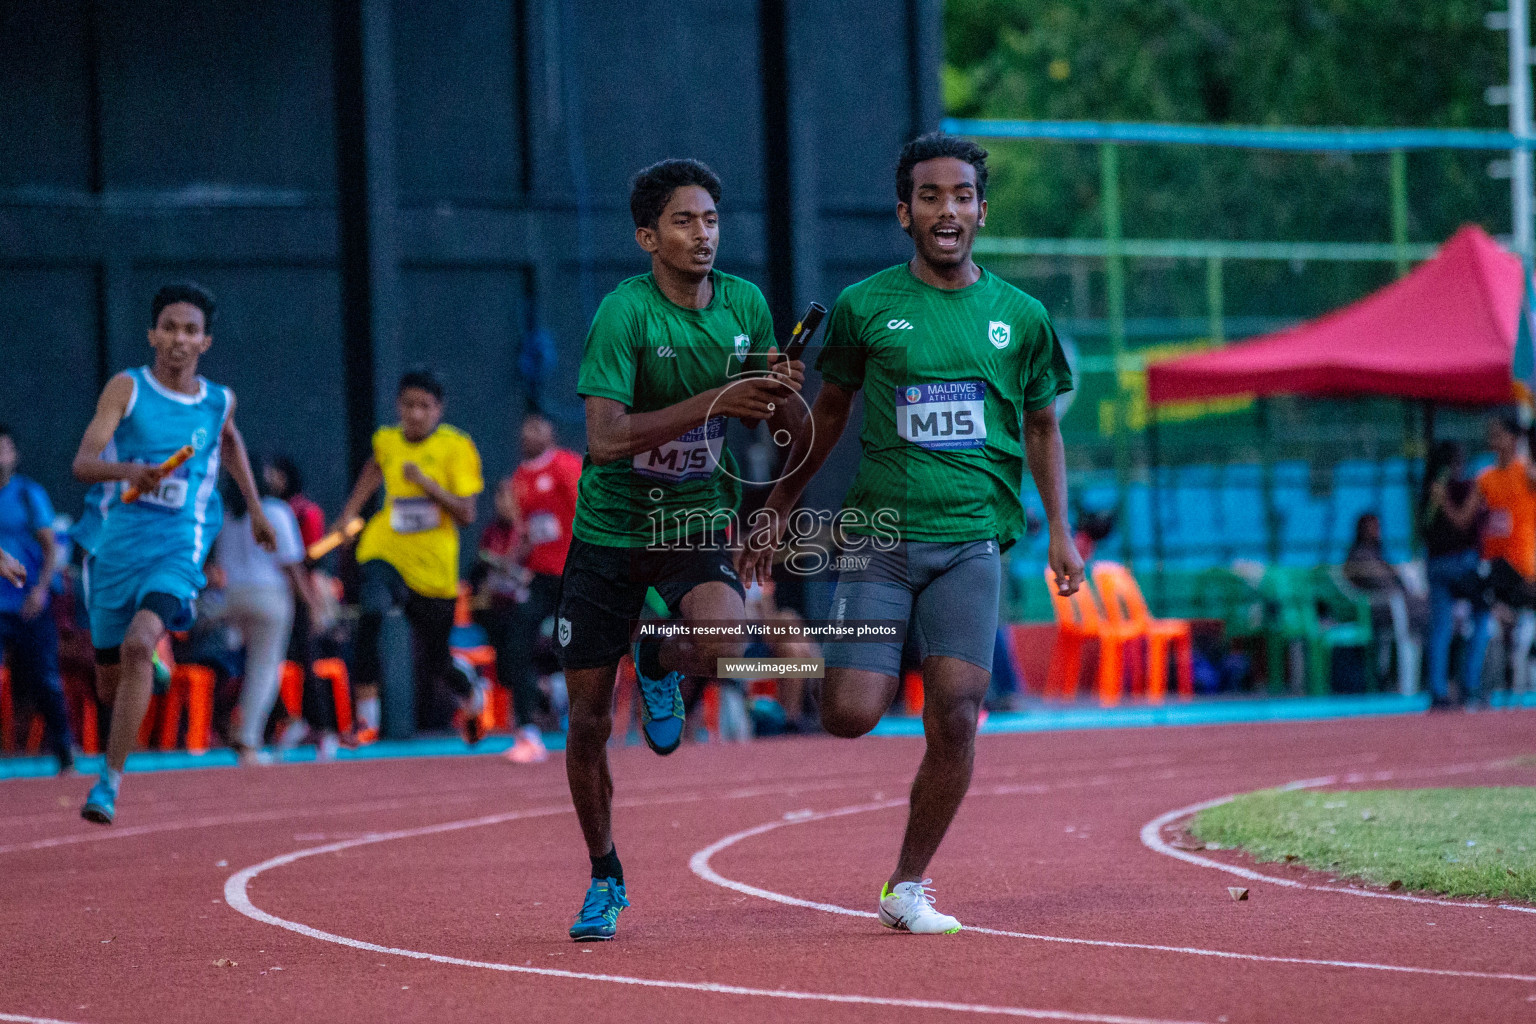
(100, 804)
(599, 917)
(661, 708)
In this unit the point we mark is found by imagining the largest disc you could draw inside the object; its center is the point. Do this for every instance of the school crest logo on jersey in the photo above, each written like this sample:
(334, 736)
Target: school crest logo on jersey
(565, 632)
(199, 439)
(999, 334)
(742, 343)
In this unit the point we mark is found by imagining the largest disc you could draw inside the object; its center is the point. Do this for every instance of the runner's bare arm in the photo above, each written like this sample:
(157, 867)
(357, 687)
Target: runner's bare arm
(1048, 465)
(812, 444)
(12, 571)
(238, 462)
(460, 507)
(614, 433)
(368, 482)
(89, 467)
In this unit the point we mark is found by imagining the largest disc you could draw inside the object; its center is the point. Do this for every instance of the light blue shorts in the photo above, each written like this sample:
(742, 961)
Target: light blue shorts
(112, 607)
(948, 593)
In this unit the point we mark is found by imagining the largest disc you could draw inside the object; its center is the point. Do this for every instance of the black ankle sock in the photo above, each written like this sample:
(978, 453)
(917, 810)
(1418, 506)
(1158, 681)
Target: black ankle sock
(608, 866)
(650, 660)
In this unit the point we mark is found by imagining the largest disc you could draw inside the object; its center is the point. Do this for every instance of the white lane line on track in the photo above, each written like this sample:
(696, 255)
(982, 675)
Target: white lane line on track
(1152, 839)
(237, 895)
(700, 865)
(210, 821)
(21, 1019)
(782, 788)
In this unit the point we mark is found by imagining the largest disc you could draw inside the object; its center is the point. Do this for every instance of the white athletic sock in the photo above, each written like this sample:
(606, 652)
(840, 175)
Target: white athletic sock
(111, 778)
(368, 712)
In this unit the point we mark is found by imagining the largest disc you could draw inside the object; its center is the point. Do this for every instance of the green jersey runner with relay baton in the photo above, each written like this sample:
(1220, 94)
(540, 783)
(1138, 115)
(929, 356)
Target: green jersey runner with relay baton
(960, 371)
(671, 355)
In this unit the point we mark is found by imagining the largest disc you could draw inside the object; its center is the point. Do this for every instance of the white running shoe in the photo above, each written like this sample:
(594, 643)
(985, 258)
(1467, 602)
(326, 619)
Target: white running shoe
(528, 748)
(909, 908)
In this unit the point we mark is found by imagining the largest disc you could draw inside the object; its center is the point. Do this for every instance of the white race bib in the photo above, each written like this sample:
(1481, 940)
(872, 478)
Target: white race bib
(543, 527)
(172, 492)
(414, 515)
(943, 416)
(693, 456)
(1500, 523)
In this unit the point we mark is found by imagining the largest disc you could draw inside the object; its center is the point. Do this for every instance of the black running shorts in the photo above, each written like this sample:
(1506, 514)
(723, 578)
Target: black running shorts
(602, 592)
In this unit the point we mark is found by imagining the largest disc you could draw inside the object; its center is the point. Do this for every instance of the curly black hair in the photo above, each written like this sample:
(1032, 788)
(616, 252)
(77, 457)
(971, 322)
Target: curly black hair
(652, 188)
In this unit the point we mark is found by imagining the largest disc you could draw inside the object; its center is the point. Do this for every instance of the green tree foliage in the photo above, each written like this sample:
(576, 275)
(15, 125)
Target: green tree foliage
(1357, 63)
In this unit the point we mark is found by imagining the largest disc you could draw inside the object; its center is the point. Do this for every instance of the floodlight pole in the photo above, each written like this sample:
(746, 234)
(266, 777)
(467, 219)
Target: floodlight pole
(1520, 125)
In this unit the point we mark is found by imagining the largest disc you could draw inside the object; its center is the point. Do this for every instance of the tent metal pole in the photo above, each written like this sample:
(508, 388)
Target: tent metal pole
(1214, 300)
(1114, 259)
(1154, 481)
(1267, 463)
(1398, 173)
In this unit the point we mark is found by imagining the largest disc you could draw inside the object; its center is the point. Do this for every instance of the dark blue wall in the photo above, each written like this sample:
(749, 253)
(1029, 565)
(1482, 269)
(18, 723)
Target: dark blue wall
(367, 184)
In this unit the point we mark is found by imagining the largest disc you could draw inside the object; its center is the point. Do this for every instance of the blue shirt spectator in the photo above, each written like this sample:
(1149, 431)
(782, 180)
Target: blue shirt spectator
(25, 512)
(29, 639)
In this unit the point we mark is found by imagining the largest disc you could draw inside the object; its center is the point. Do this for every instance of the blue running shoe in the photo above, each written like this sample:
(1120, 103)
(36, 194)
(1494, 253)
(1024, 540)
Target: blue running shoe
(599, 917)
(661, 708)
(101, 804)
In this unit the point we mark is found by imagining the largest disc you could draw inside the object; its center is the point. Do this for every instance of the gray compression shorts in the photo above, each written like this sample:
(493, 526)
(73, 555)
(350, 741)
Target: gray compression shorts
(947, 592)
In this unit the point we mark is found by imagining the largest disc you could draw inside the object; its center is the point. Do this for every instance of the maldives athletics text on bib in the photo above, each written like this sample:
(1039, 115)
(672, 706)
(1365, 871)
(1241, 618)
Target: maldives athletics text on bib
(942, 417)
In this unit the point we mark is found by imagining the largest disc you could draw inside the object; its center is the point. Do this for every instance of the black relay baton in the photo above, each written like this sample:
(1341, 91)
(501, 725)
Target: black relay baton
(801, 335)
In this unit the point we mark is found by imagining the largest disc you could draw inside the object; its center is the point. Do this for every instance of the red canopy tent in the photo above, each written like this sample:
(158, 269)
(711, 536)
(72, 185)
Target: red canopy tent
(1443, 333)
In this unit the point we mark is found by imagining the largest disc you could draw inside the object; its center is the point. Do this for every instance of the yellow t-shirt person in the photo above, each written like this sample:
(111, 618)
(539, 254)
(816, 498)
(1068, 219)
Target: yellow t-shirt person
(412, 532)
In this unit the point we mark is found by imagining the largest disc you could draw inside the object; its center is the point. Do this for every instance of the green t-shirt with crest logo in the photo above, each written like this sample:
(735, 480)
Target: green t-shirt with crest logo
(648, 352)
(947, 377)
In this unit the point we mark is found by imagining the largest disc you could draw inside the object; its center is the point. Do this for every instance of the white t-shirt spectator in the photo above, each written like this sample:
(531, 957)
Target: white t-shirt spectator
(245, 563)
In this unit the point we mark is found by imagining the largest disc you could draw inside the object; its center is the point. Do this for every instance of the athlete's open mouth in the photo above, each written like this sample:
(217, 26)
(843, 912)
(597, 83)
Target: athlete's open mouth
(703, 254)
(947, 237)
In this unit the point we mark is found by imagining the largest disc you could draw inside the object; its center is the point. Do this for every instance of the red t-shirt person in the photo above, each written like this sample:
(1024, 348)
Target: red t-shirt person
(545, 490)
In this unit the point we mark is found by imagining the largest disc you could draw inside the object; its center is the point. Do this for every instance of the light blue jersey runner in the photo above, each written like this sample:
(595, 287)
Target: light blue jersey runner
(159, 542)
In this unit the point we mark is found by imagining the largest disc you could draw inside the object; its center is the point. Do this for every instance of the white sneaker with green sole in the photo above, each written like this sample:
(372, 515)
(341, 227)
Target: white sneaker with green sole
(909, 908)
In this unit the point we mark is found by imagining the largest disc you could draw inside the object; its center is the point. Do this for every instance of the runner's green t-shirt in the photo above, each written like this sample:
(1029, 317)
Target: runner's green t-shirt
(947, 377)
(650, 353)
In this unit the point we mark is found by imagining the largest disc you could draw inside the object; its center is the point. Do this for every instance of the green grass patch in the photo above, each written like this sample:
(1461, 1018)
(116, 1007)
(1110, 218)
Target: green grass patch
(1460, 842)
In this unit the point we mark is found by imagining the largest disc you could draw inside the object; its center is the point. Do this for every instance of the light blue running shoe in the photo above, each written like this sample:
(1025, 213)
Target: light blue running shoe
(100, 804)
(661, 708)
(599, 916)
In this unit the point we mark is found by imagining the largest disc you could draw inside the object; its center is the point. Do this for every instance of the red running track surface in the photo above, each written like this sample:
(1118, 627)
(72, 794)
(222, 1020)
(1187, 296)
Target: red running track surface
(441, 890)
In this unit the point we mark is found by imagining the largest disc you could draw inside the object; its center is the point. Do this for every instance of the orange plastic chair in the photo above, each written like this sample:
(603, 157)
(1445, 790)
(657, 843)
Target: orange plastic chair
(290, 688)
(191, 688)
(90, 742)
(1078, 620)
(912, 692)
(7, 739)
(1016, 633)
(334, 671)
(711, 709)
(625, 693)
(484, 660)
(1125, 606)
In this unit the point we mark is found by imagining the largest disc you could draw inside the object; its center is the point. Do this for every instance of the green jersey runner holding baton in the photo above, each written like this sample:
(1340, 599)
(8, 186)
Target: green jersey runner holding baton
(960, 371)
(670, 356)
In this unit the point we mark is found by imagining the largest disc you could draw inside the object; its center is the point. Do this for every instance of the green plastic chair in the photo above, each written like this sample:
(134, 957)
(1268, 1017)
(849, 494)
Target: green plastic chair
(1309, 606)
